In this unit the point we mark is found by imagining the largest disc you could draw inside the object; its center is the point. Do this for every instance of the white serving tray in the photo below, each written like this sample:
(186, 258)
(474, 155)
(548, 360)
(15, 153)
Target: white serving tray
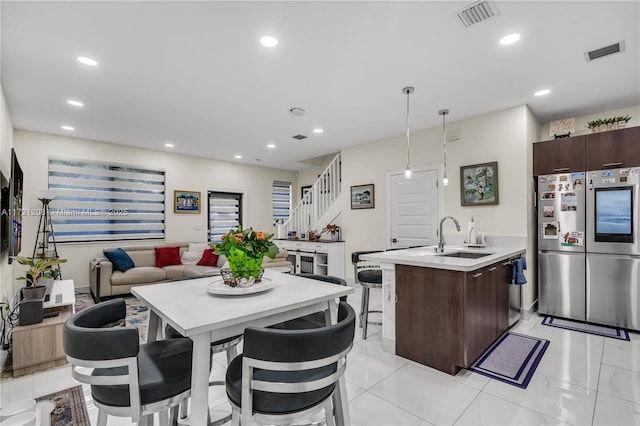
(219, 288)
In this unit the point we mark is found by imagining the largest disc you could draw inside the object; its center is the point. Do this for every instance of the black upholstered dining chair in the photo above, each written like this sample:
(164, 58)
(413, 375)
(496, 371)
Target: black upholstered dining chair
(368, 275)
(316, 319)
(285, 375)
(127, 379)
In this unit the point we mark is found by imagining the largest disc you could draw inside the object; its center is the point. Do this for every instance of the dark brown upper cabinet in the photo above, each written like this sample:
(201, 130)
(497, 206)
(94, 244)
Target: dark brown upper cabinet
(613, 149)
(565, 155)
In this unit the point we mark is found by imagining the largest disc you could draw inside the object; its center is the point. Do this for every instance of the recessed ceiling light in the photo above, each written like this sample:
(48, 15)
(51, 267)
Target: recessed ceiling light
(87, 61)
(268, 41)
(317, 130)
(271, 146)
(542, 92)
(169, 145)
(75, 103)
(237, 156)
(509, 39)
(67, 128)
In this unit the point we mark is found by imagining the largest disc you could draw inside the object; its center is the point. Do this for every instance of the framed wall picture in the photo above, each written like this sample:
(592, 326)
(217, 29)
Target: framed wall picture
(303, 191)
(363, 197)
(479, 184)
(186, 202)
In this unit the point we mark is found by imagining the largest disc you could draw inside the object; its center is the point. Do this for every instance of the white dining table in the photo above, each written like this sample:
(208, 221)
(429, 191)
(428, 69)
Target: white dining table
(206, 318)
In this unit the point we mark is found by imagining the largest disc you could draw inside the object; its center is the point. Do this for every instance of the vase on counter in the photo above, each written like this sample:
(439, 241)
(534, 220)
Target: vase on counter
(335, 236)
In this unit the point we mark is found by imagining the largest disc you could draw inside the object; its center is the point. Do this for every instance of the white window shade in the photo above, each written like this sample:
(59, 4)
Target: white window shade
(97, 201)
(281, 196)
(225, 213)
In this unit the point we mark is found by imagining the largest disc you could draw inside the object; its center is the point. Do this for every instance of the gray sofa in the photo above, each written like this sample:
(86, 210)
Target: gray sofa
(104, 281)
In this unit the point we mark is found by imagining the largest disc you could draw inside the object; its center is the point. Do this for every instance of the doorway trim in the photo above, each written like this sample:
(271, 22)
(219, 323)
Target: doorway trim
(440, 196)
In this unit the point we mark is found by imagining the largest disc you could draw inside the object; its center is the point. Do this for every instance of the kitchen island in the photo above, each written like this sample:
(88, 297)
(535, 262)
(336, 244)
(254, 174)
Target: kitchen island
(444, 309)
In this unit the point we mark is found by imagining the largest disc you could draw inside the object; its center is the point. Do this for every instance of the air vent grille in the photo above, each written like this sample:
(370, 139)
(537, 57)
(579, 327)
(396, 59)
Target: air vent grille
(604, 51)
(299, 137)
(477, 12)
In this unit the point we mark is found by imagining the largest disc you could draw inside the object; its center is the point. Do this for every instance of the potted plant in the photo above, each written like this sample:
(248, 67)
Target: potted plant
(244, 250)
(39, 269)
(333, 230)
(600, 124)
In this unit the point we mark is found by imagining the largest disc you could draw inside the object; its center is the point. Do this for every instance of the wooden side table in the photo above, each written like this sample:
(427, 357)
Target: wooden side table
(37, 347)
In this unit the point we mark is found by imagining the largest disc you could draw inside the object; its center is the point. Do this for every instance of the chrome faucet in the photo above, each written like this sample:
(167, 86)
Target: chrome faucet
(441, 242)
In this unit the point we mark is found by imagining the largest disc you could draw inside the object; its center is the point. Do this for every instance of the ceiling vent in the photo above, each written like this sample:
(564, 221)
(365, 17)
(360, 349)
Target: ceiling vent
(477, 12)
(299, 137)
(604, 51)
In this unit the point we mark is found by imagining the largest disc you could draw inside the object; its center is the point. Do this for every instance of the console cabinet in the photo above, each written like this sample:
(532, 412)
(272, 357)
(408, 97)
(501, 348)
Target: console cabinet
(38, 347)
(315, 257)
(446, 319)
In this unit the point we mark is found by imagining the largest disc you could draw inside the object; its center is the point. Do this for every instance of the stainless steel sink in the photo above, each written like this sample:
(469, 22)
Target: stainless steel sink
(467, 255)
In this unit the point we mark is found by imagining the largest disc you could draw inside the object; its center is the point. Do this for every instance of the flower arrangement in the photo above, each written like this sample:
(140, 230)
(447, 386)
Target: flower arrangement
(244, 250)
(332, 229)
(251, 242)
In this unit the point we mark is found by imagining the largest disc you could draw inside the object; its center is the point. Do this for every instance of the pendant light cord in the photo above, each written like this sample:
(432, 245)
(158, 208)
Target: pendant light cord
(444, 145)
(408, 143)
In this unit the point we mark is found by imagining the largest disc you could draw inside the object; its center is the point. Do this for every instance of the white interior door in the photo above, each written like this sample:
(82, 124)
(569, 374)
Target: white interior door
(413, 209)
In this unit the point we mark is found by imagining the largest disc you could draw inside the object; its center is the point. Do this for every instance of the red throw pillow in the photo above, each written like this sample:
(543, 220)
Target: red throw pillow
(208, 258)
(166, 256)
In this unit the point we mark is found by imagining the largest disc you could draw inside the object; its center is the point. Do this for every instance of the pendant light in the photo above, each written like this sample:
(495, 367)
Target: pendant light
(443, 113)
(407, 91)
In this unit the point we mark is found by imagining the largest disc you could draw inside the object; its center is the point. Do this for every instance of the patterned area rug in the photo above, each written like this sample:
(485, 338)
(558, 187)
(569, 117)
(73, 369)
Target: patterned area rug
(598, 330)
(70, 407)
(137, 312)
(513, 359)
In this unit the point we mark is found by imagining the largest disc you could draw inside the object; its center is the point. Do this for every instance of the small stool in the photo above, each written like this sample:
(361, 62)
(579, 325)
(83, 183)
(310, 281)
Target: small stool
(368, 275)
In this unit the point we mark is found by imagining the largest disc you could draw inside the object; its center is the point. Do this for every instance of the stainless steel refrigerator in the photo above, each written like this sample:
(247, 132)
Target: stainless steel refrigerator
(561, 245)
(613, 247)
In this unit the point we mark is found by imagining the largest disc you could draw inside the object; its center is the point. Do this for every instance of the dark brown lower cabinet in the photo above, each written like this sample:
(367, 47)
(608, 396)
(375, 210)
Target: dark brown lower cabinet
(446, 319)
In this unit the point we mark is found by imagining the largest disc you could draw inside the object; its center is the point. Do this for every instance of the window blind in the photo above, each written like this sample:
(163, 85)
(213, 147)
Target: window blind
(98, 201)
(225, 213)
(281, 195)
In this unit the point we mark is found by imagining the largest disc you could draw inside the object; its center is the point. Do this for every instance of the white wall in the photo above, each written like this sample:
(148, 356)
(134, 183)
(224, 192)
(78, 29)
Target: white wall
(498, 136)
(182, 173)
(6, 143)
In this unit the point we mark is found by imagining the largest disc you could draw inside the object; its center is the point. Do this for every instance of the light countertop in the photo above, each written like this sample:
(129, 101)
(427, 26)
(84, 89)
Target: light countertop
(427, 257)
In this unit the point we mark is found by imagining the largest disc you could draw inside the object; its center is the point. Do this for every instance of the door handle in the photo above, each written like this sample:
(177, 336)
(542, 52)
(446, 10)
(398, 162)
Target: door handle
(561, 169)
(477, 275)
(493, 269)
(612, 164)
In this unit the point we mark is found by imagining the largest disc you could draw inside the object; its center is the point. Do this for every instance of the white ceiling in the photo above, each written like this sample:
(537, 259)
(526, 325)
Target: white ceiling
(194, 73)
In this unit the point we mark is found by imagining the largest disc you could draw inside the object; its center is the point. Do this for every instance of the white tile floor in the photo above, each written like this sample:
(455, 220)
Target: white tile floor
(582, 380)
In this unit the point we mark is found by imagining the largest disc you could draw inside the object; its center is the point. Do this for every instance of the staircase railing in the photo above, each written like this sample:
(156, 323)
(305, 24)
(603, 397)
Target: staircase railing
(317, 201)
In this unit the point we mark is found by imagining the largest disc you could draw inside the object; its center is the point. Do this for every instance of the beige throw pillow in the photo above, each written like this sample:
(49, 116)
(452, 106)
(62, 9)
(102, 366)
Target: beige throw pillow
(191, 257)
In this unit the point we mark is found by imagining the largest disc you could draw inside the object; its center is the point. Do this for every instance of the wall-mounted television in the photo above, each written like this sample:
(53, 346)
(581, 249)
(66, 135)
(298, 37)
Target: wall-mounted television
(5, 216)
(15, 206)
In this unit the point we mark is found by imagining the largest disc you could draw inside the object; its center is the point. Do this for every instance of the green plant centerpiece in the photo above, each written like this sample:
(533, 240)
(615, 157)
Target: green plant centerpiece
(244, 250)
(39, 268)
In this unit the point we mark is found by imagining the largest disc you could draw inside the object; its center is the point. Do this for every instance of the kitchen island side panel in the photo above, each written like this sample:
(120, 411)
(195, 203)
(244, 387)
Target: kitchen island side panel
(429, 316)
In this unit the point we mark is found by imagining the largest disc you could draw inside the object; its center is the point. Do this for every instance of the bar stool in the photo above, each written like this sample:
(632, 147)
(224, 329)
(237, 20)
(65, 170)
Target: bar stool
(368, 275)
